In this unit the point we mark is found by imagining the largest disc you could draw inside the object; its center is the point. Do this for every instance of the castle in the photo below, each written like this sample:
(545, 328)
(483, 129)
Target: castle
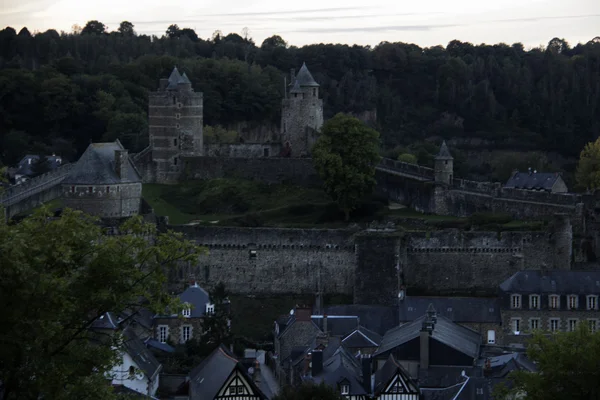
(175, 115)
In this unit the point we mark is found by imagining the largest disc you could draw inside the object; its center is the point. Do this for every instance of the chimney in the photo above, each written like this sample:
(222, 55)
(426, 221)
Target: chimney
(121, 159)
(162, 84)
(426, 330)
(367, 371)
(325, 323)
(303, 313)
(316, 362)
(257, 375)
(292, 76)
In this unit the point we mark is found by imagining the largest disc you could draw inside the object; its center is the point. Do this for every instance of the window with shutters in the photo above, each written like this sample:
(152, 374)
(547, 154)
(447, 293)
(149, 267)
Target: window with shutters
(534, 301)
(554, 301)
(572, 324)
(515, 301)
(554, 324)
(572, 302)
(534, 324)
(592, 302)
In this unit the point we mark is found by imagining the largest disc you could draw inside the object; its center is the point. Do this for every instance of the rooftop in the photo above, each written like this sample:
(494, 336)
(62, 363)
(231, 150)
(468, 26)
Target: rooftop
(533, 180)
(555, 281)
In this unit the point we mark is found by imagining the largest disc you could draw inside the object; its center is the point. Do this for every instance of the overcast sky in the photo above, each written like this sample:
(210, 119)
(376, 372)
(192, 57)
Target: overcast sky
(424, 22)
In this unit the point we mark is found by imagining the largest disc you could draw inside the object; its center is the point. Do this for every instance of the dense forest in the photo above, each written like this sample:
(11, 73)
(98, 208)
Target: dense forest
(60, 91)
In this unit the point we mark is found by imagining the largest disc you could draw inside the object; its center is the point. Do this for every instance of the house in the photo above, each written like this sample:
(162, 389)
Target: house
(104, 183)
(32, 164)
(172, 328)
(556, 300)
(361, 341)
(392, 382)
(429, 341)
(222, 376)
(477, 313)
(137, 368)
(532, 180)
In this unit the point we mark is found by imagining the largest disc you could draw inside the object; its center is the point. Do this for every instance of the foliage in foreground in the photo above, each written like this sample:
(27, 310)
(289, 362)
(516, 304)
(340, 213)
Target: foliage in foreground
(57, 277)
(588, 169)
(568, 368)
(345, 157)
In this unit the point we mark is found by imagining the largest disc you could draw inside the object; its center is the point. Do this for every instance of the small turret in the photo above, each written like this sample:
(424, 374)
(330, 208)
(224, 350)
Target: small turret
(444, 165)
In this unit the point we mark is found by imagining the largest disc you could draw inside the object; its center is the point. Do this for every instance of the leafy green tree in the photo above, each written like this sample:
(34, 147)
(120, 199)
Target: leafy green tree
(173, 31)
(588, 169)
(407, 158)
(94, 28)
(216, 327)
(126, 28)
(309, 391)
(345, 157)
(57, 277)
(568, 368)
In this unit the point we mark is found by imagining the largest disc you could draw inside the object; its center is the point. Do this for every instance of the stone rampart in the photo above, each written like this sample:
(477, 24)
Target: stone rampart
(407, 168)
(242, 150)
(299, 171)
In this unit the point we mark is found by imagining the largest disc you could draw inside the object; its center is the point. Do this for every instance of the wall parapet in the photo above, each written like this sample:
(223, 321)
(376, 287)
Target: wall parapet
(17, 193)
(411, 169)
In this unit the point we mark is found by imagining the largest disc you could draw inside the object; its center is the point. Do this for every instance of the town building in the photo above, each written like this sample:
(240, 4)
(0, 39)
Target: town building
(541, 181)
(32, 165)
(104, 183)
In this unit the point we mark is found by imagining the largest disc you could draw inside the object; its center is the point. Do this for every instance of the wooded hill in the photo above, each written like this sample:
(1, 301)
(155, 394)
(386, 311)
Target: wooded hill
(59, 91)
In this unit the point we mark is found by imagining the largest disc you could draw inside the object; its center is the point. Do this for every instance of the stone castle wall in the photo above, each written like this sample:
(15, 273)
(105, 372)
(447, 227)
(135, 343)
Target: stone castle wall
(242, 150)
(105, 201)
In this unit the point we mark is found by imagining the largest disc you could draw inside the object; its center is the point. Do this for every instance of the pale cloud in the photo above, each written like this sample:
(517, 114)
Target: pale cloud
(425, 22)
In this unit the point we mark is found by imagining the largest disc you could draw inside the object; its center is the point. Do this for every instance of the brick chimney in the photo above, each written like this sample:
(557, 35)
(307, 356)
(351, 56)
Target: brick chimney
(303, 313)
(121, 160)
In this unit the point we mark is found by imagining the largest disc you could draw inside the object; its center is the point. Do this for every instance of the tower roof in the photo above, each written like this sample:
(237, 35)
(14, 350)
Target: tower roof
(444, 153)
(184, 79)
(174, 78)
(296, 88)
(304, 78)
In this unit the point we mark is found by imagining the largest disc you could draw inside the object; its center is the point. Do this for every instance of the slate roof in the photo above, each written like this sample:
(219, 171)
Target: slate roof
(555, 281)
(296, 88)
(174, 79)
(339, 367)
(362, 337)
(449, 393)
(26, 168)
(106, 321)
(304, 78)
(445, 331)
(533, 181)
(456, 309)
(185, 79)
(337, 325)
(378, 319)
(198, 298)
(97, 167)
(384, 375)
(444, 153)
(208, 377)
(140, 353)
(155, 344)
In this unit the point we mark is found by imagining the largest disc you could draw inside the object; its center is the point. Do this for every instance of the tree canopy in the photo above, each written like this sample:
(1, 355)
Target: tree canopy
(345, 156)
(57, 277)
(569, 367)
(588, 169)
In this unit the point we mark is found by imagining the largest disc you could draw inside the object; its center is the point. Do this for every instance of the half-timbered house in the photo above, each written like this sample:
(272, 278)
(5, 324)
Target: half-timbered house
(392, 382)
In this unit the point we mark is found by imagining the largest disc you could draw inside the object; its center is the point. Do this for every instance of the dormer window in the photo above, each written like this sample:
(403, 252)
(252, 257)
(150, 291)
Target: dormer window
(187, 311)
(592, 302)
(572, 302)
(515, 301)
(210, 308)
(534, 301)
(554, 301)
(345, 389)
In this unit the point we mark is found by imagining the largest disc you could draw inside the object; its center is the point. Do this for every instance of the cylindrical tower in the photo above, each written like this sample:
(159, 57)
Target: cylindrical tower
(444, 168)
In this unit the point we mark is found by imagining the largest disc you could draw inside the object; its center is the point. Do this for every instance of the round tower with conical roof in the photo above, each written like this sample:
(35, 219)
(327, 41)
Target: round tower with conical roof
(301, 114)
(444, 165)
(175, 115)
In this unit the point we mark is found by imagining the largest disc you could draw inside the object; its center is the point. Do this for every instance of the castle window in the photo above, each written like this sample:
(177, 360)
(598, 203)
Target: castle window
(179, 105)
(446, 162)
(175, 142)
(175, 161)
(554, 324)
(534, 301)
(90, 189)
(72, 189)
(572, 302)
(252, 254)
(314, 92)
(177, 116)
(295, 94)
(174, 100)
(108, 189)
(554, 301)
(572, 324)
(592, 302)
(534, 324)
(284, 127)
(515, 301)
(592, 325)
(266, 152)
(163, 333)
(177, 126)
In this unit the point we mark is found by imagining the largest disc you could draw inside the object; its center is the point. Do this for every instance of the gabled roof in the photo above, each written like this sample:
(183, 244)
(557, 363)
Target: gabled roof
(444, 153)
(533, 180)
(106, 321)
(385, 375)
(457, 309)
(140, 353)
(339, 367)
(155, 344)
(198, 298)
(337, 325)
(209, 377)
(378, 319)
(445, 331)
(553, 282)
(362, 337)
(97, 167)
(304, 78)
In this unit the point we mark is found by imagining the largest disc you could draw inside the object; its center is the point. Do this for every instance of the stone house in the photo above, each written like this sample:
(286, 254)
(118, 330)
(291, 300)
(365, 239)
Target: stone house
(481, 314)
(176, 328)
(550, 301)
(104, 183)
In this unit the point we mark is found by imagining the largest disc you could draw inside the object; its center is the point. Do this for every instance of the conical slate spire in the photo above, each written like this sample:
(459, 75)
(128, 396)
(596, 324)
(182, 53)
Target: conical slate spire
(174, 78)
(296, 88)
(304, 78)
(184, 79)
(444, 153)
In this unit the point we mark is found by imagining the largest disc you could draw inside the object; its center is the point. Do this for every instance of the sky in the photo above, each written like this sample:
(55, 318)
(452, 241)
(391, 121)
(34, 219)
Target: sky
(424, 22)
